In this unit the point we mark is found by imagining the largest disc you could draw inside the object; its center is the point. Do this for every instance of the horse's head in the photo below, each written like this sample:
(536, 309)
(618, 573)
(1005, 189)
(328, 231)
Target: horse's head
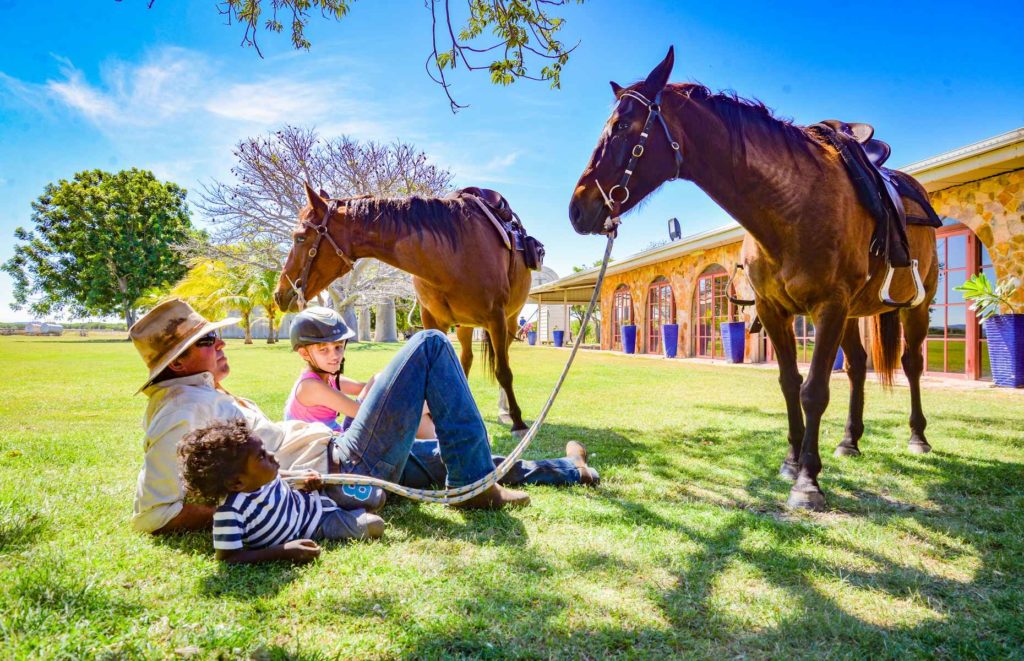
(311, 265)
(634, 155)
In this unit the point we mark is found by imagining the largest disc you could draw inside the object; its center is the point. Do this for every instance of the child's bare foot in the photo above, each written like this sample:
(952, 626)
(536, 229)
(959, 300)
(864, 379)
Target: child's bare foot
(578, 453)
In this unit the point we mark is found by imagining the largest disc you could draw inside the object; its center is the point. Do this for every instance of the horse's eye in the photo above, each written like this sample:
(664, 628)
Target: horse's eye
(300, 239)
(622, 126)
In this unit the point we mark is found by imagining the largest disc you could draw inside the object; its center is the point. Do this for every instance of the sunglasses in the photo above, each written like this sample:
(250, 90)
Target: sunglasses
(207, 340)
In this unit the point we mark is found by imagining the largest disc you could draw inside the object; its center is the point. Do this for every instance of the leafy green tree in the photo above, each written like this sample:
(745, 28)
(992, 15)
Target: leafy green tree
(504, 37)
(100, 241)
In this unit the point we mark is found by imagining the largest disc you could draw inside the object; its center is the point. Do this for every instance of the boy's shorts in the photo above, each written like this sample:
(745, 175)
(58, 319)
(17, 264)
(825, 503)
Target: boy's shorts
(343, 524)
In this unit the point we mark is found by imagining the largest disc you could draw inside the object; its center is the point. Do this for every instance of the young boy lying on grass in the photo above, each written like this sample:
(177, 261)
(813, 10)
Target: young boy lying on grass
(260, 517)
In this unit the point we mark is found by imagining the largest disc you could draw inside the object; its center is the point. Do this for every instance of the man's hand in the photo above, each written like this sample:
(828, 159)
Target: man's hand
(301, 550)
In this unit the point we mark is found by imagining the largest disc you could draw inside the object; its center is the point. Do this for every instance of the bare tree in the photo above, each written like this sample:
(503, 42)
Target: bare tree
(260, 206)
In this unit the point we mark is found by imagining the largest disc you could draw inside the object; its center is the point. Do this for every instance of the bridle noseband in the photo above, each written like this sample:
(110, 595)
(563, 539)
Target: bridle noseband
(653, 112)
(299, 286)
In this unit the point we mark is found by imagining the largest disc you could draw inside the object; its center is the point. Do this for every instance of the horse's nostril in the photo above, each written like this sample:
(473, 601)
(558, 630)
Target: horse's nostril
(574, 212)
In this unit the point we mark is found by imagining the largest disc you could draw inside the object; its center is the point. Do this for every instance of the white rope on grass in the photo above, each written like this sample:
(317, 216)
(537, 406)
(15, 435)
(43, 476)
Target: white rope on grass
(461, 494)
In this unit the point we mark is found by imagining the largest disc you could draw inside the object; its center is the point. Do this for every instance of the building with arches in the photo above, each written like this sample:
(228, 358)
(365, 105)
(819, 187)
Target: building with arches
(978, 191)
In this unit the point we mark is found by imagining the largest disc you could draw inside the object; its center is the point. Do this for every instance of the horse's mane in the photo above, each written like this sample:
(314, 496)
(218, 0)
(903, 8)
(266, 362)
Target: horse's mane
(739, 114)
(397, 216)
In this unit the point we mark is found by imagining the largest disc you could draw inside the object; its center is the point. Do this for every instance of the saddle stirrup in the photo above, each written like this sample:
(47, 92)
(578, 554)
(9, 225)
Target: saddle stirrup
(883, 293)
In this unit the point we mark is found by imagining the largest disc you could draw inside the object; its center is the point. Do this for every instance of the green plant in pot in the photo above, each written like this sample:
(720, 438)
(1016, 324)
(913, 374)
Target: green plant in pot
(1005, 331)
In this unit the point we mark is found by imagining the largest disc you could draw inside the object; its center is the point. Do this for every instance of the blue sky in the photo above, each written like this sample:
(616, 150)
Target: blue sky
(116, 85)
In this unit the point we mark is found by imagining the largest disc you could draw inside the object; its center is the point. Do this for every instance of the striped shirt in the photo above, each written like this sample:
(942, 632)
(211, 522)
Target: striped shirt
(273, 514)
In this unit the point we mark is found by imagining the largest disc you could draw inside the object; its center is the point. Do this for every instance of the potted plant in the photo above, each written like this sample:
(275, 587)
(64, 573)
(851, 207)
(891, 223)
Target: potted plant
(531, 333)
(1005, 332)
(628, 338)
(670, 339)
(558, 335)
(734, 337)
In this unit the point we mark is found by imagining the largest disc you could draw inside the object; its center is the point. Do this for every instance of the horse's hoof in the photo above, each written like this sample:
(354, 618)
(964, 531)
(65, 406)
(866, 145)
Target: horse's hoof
(789, 470)
(919, 447)
(518, 434)
(843, 450)
(806, 498)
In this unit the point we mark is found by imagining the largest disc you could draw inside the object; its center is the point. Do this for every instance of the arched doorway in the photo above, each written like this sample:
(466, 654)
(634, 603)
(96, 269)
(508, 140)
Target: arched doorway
(956, 344)
(622, 314)
(661, 309)
(712, 309)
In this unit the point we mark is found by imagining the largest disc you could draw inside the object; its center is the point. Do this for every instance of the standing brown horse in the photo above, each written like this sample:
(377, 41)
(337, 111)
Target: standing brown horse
(462, 272)
(806, 251)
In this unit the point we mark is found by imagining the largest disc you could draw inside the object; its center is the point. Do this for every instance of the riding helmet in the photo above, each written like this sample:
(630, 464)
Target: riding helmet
(317, 324)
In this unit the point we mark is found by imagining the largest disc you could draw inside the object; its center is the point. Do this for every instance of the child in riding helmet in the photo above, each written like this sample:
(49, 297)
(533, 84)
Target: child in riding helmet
(322, 393)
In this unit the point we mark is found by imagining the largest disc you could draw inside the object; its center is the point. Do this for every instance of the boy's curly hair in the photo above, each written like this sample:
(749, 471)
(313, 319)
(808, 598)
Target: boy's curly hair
(211, 459)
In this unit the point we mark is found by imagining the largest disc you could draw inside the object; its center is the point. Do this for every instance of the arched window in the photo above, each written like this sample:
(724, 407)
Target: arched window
(955, 345)
(661, 309)
(712, 309)
(622, 314)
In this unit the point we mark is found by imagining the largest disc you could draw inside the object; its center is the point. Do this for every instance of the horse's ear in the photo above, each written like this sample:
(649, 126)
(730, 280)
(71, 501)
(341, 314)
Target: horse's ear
(315, 200)
(616, 88)
(324, 194)
(659, 76)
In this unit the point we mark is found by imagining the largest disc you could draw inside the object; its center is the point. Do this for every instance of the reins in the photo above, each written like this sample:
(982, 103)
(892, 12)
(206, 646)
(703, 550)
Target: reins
(460, 494)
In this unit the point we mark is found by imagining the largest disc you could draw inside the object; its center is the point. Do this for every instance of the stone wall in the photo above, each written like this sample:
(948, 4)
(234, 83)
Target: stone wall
(992, 208)
(682, 273)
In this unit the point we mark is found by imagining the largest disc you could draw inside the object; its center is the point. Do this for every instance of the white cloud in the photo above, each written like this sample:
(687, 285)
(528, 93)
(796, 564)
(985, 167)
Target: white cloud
(162, 87)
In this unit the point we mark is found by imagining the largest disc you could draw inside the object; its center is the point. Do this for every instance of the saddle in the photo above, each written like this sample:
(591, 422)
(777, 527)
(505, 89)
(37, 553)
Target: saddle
(508, 224)
(880, 189)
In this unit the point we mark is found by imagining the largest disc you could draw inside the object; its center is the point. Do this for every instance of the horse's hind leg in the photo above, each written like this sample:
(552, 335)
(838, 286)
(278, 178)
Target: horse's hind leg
(500, 338)
(856, 370)
(465, 335)
(779, 327)
(915, 328)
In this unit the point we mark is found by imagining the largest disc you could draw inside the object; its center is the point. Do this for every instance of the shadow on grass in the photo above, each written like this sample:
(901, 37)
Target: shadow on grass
(20, 527)
(937, 573)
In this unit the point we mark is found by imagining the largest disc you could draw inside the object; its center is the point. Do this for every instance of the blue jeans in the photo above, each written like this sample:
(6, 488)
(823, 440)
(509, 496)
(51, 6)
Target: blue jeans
(381, 437)
(426, 469)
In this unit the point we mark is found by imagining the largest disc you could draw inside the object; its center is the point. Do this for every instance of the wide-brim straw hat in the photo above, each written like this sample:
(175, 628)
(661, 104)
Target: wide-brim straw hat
(167, 331)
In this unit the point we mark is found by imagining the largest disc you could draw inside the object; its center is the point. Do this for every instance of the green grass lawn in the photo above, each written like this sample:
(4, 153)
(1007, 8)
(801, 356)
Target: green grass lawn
(686, 550)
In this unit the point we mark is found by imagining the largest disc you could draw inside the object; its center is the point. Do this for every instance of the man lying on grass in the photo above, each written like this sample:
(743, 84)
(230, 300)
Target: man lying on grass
(259, 516)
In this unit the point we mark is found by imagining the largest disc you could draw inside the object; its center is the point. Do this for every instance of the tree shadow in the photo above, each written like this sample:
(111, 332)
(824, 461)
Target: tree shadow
(20, 527)
(499, 528)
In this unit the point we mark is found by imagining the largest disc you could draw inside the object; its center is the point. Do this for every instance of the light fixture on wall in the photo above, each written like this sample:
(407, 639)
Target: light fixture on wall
(674, 232)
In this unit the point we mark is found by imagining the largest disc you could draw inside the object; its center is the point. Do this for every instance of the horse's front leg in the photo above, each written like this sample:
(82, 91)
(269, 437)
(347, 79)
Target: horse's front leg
(856, 370)
(829, 324)
(915, 328)
(779, 326)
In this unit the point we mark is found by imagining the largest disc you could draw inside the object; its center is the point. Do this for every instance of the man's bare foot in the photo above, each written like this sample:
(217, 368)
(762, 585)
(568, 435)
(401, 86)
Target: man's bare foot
(575, 451)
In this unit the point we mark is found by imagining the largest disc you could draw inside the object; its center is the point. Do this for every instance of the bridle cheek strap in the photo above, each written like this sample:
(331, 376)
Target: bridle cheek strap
(653, 112)
(321, 229)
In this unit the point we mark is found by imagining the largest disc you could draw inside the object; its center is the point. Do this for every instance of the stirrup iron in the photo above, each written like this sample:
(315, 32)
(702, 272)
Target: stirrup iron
(883, 293)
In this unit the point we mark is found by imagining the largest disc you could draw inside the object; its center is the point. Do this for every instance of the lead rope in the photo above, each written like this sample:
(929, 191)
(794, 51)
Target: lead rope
(460, 494)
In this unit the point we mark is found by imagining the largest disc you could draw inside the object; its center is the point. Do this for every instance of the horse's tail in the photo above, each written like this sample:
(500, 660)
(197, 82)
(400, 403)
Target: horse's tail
(487, 351)
(885, 345)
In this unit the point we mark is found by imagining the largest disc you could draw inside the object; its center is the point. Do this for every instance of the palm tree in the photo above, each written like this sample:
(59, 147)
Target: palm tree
(263, 286)
(238, 282)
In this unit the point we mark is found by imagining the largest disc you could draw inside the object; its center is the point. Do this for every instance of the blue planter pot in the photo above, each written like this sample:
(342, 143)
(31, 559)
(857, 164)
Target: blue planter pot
(670, 339)
(1005, 334)
(629, 338)
(734, 340)
(531, 338)
(559, 337)
(838, 364)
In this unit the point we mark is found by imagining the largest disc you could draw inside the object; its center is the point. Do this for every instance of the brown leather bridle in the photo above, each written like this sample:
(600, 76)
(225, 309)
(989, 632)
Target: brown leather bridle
(321, 229)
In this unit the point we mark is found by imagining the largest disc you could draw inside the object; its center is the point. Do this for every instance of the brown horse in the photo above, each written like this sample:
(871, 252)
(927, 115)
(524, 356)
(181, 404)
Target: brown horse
(462, 272)
(806, 251)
